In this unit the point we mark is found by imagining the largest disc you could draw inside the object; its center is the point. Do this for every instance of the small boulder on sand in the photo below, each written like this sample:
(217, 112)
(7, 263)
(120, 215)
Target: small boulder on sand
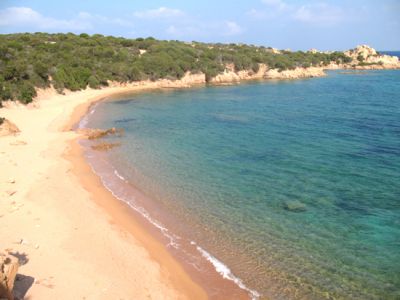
(8, 271)
(7, 127)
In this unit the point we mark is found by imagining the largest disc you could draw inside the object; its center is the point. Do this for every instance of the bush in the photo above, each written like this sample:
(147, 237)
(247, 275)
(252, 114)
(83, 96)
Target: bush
(27, 92)
(94, 83)
(41, 69)
(5, 91)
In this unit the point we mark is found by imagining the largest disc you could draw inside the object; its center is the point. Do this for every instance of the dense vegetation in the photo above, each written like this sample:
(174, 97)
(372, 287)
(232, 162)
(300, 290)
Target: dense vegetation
(73, 62)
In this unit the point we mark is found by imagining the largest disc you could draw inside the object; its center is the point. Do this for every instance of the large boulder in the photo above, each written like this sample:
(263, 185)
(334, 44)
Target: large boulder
(361, 50)
(7, 127)
(8, 272)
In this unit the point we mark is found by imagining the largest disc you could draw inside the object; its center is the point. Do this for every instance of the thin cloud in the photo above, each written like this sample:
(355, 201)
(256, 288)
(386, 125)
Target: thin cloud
(278, 4)
(26, 16)
(16, 16)
(232, 28)
(318, 13)
(203, 29)
(161, 12)
(96, 18)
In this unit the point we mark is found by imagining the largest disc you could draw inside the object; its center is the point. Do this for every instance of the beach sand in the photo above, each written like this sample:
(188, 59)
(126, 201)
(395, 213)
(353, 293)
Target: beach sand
(74, 239)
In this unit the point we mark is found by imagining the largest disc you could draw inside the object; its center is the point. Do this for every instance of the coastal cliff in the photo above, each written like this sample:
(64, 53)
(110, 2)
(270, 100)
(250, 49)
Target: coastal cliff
(362, 57)
(33, 63)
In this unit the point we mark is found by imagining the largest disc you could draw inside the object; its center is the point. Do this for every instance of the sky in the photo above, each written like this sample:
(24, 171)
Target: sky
(283, 24)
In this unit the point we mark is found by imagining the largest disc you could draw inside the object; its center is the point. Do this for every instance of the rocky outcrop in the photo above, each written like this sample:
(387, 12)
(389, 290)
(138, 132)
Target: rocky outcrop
(294, 74)
(361, 50)
(230, 75)
(7, 127)
(365, 57)
(193, 79)
(8, 271)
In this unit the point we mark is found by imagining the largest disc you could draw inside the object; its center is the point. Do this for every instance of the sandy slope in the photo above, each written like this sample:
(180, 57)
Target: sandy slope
(76, 248)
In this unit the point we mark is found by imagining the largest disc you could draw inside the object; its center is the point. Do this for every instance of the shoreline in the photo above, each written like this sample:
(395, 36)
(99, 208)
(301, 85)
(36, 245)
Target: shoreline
(69, 243)
(138, 224)
(123, 218)
(52, 221)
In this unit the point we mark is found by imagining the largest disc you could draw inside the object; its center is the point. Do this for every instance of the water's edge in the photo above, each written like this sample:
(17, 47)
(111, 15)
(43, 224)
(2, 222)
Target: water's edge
(195, 259)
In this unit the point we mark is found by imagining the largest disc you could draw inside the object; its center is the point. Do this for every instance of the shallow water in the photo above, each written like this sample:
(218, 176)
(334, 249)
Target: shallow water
(223, 163)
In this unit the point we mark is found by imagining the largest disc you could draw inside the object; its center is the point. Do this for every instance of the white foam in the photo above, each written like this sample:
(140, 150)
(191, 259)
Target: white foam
(226, 273)
(85, 120)
(119, 175)
(220, 267)
(173, 239)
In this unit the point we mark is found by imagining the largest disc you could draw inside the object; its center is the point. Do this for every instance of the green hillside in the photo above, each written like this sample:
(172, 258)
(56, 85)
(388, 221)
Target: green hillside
(73, 62)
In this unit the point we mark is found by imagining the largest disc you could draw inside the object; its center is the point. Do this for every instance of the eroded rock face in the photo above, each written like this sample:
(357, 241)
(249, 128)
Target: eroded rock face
(369, 55)
(294, 74)
(230, 76)
(7, 128)
(363, 50)
(8, 272)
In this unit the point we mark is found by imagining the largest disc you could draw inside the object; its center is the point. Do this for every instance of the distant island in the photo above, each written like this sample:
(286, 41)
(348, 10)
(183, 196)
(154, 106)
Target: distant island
(29, 62)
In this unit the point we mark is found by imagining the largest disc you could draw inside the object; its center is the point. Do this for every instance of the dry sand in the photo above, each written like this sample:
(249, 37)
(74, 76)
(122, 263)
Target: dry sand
(78, 242)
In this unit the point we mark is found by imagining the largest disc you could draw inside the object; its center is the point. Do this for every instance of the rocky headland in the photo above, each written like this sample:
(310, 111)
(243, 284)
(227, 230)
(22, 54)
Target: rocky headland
(362, 57)
(365, 57)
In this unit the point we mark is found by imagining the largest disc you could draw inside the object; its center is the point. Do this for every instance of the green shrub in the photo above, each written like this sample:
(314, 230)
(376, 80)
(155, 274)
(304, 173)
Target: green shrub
(93, 82)
(27, 92)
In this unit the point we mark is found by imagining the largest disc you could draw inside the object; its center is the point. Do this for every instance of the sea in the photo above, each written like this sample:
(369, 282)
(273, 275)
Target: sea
(391, 53)
(285, 189)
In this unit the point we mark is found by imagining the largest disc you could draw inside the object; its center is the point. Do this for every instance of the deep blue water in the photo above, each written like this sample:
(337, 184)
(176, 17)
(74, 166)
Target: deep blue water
(392, 53)
(225, 162)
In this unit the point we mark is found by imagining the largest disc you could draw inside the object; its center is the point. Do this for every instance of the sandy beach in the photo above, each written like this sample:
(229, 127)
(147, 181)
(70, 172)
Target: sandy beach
(74, 240)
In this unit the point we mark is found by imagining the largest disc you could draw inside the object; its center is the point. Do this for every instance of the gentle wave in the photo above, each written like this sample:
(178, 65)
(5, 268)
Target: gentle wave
(226, 273)
(220, 267)
(119, 175)
(173, 239)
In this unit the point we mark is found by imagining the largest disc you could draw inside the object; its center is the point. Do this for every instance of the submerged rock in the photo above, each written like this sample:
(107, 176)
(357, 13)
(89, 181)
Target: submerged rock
(93, 134)
(105, 146)
(295, 206)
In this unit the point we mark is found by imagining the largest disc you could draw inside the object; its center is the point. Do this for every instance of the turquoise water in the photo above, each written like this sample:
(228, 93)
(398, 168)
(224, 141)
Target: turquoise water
(224, 163)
